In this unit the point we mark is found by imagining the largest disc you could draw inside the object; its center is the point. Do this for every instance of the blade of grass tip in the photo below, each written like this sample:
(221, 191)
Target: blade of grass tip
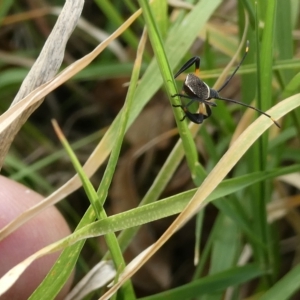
(206, 253)
(197, 171)
(110, 238)
(231, 157)
(198, 233)
(88, 187)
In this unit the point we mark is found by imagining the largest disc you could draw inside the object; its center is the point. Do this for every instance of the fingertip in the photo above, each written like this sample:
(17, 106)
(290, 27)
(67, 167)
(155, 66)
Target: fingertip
(44, 229)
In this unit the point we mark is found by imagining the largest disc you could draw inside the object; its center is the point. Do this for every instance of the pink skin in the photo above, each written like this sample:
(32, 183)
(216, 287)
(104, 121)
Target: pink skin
(44, 229)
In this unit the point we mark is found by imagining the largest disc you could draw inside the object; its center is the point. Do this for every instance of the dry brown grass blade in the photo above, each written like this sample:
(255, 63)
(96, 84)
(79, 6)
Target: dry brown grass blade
(44, 69)
(24, 16)
(88, 28)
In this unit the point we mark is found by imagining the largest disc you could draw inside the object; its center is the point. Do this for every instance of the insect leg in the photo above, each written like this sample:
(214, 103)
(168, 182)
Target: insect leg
(194, 60)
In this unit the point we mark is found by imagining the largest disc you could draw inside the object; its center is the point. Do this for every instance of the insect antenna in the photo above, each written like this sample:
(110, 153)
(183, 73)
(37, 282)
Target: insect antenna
(247, 105)
(236, 69)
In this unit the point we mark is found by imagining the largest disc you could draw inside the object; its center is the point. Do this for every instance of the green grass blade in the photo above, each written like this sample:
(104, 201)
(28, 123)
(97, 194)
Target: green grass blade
(284, 38)
(113, 160)
(64, 265)
(264, 96)
(224, 249)
(266, 57)
(164, 208)
(124, 220)
(90, 230)
(285, 287)
(156, 188)
(198, 173)
(113, 15)
(210, 284)
(110, 238)
(160, 13)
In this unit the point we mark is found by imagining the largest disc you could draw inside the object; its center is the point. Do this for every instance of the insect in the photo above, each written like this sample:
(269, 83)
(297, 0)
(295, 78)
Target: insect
(197, 90)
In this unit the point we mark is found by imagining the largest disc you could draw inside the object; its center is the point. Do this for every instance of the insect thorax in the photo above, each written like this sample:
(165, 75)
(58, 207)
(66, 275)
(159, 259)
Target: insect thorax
(194, 86)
